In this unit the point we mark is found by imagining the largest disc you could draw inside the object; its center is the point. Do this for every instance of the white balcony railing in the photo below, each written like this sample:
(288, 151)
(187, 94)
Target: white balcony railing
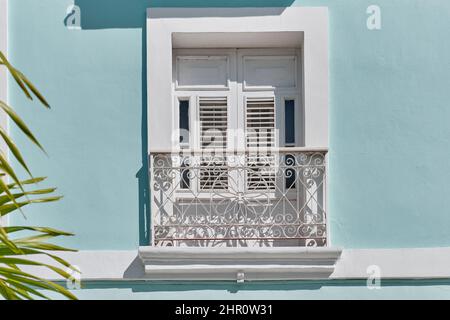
(273, 198)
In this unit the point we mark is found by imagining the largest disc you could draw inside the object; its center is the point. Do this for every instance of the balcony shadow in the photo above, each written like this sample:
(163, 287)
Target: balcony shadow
(124, 14)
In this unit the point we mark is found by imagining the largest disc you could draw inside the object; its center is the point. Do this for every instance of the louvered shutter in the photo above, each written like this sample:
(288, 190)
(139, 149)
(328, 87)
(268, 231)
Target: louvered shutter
(213, 116)
(213, 123)
(260, 122)
(260, 134)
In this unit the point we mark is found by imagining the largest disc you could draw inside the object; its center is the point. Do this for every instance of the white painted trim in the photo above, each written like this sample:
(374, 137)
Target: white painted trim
(95, 265)
(179, 87)
(4, 74)
(167, 25)
(246, 58)
(421, 263)
(409, 263)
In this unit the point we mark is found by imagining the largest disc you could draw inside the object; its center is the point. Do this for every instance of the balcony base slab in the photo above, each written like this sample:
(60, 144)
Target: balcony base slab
(238, 264)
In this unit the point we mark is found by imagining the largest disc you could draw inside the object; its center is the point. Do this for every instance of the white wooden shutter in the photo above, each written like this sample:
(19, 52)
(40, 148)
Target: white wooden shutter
(213, 123)
(260, 134)
(213, 116)
(260, 122)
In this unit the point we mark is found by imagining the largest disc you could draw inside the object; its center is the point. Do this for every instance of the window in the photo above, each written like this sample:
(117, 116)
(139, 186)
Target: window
(267, 98)
(241, 99)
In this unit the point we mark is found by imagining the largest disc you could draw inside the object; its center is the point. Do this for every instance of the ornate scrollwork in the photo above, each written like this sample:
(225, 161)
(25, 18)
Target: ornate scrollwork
(239, 200)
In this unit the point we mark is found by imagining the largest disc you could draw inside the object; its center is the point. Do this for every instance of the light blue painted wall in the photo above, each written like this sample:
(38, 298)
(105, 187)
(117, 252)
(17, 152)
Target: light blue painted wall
(302, 290)
(389, 112)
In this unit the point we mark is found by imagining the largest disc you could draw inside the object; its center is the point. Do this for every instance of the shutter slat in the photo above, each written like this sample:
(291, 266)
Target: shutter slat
(260, 133)
(213, 135)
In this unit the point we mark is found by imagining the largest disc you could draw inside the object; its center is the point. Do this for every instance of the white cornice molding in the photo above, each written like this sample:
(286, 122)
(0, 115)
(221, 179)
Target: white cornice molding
(410, 263)
(238, 264)
(170, 28)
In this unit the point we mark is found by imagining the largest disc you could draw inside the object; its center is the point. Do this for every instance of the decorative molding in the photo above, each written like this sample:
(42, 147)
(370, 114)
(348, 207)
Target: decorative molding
(174, 28)
(273, 69)
(238, 264)
(225, 215)
(417, 263)
(194, 72)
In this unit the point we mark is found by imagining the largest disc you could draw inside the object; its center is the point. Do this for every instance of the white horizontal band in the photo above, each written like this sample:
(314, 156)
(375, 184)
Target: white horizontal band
(426, 263)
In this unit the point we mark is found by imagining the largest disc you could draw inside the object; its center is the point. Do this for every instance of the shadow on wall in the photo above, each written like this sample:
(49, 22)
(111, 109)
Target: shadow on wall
(270, 286)
(103, 14)
(229, 286)
(120, 14)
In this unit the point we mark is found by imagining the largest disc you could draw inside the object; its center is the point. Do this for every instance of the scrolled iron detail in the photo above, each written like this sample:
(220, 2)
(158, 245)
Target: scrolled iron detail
(239, 200)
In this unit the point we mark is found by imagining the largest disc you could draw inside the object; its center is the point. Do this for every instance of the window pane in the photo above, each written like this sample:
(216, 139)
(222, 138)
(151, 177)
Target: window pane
(289, 125)
(184, 121)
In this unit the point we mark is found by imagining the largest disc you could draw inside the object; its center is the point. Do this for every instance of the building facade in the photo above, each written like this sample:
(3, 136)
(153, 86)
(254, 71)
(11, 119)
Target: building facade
(275, 149)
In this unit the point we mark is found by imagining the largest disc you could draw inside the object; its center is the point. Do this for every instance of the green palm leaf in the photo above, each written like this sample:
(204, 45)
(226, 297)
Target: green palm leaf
(25, 182)
(20, 123)
(32, 88)
(14, 74)
(30, 290)
(5, 199)
(34, 281)
(17, 249)
(14, 150)
(44, 230)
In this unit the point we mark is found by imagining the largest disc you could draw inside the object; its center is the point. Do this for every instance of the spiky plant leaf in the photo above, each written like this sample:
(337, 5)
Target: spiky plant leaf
(19, 244)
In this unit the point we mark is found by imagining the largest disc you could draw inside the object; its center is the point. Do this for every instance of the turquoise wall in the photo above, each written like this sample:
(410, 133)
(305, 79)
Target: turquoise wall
(389, 112)
(301, 290)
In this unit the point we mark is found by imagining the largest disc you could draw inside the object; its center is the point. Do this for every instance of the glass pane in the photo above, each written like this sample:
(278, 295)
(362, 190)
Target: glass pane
(184, 121)
(289, 122)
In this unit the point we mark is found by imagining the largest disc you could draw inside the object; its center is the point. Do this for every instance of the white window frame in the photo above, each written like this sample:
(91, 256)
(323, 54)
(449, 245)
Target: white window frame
(265, 54)
(212, 56)
(279, 93)
(182, 28)
(237, 95)
(237, 92)
(194, 92)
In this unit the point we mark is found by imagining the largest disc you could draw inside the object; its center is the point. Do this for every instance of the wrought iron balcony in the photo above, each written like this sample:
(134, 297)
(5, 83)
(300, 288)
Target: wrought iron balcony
(274, 198)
